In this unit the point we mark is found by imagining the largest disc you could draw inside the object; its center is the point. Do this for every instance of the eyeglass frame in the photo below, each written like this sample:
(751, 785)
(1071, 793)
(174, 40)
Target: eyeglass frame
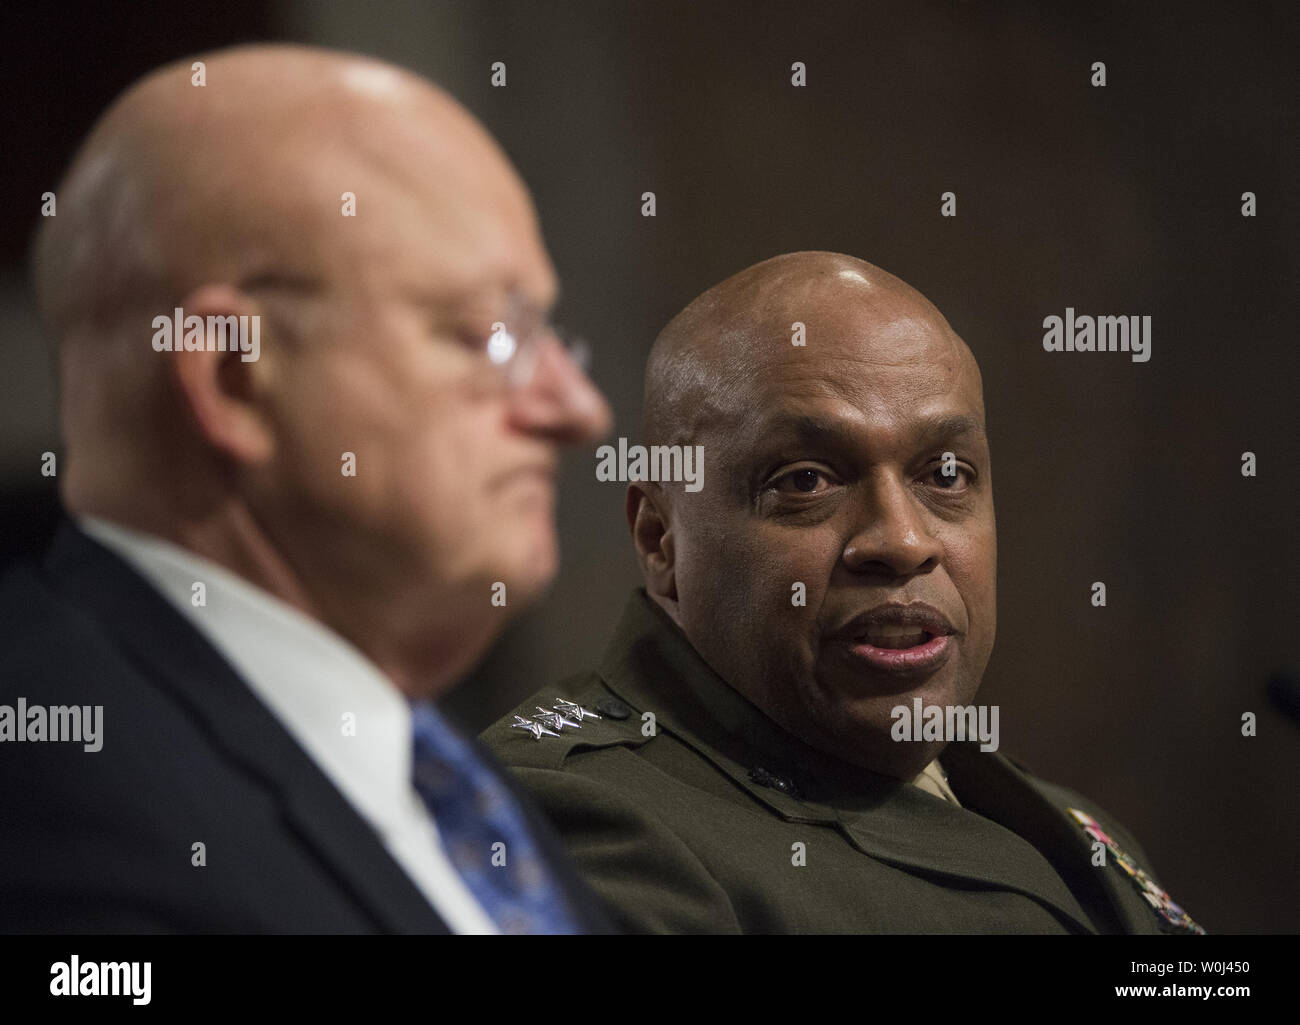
(514, 360)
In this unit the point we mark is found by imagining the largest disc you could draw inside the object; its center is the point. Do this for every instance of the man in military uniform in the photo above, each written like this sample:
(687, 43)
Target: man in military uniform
(734, 764)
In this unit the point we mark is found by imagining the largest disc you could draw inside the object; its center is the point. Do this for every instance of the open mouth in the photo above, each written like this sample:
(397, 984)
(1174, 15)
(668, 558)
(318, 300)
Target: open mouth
(906, 651)
(898, 638)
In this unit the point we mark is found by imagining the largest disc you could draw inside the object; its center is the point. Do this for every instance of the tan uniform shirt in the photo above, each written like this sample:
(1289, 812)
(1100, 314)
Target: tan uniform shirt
(933, 780)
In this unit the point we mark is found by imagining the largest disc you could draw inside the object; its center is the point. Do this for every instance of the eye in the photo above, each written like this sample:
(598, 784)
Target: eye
(805, 481)
(958, 480)
(464, 334)
(501, 343)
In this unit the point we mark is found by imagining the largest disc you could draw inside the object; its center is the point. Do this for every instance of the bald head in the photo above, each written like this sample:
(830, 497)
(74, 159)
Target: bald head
(703, 360)
(180, 184)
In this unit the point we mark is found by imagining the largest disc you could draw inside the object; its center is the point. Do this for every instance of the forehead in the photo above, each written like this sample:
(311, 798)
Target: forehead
(890, 365)
(440, 214)
(889, 354)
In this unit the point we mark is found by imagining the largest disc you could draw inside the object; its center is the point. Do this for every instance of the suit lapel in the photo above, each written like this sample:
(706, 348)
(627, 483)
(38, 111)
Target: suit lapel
(176, 658)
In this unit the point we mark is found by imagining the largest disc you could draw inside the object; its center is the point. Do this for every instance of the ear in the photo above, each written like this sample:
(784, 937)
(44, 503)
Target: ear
(221, 389)
(649, 517)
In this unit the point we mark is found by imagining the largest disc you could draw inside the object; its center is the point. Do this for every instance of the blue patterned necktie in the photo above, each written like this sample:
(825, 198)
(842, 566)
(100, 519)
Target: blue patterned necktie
(483, 831)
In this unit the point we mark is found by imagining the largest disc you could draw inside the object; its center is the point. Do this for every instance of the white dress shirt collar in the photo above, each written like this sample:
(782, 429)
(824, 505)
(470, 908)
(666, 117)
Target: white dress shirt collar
(349, 718)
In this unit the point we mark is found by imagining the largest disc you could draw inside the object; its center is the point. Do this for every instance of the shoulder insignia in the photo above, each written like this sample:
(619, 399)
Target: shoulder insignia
(572, 709)
(557, 727)
(534, 728)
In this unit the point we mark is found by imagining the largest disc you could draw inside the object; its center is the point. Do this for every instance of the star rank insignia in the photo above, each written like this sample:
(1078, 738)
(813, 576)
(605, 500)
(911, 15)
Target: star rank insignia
(557, 719)
(572, 708)
(535, 728)
(1172, 917)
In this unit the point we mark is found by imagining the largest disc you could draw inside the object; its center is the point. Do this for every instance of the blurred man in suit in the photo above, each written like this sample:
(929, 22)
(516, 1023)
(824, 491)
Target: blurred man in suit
(312, 408)
(743, 767)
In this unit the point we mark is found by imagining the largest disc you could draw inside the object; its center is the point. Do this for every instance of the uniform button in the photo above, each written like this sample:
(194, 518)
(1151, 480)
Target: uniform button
(613, 708)
(763, 778)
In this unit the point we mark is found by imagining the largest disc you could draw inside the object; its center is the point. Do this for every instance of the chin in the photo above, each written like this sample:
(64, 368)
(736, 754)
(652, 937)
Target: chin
(866, 742)
(862, 725)
(525, 587)
(532, 567)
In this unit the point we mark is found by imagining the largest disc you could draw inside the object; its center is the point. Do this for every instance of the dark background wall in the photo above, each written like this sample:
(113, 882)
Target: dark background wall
(1117, 200)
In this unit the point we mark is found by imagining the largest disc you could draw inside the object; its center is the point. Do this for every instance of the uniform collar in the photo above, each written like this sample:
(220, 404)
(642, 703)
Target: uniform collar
(652, 666)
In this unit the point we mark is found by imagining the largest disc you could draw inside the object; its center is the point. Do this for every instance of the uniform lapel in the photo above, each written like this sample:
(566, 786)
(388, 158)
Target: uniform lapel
(922, 833)
(1037, 810)
(651, 666)
(176, 658)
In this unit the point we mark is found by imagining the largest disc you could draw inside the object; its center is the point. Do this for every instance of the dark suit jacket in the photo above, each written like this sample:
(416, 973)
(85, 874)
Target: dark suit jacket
(693, 827)
(101, 842)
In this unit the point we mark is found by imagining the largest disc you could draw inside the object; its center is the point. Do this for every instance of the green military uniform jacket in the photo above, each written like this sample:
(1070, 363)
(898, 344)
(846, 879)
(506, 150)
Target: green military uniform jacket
(709, 818)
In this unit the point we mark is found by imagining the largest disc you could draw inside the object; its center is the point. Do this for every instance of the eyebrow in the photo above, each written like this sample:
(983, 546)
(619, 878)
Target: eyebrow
(794, 426)
(282, 281)
(806, 427)
(477, 297)
(949, 424)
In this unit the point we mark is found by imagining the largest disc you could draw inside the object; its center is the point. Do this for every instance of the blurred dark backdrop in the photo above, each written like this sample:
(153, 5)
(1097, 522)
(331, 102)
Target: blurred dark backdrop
(1124, 200)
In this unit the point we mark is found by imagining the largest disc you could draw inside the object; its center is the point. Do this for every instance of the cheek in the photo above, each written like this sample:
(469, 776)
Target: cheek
(441, 469)
(455, 502)
(420, 448)
(972, 564)
(341, 401)
(761, 583)
(329, 435)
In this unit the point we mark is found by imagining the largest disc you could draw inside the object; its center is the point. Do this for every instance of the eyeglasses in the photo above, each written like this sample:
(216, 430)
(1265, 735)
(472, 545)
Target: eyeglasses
(510, 349)
(514, 344)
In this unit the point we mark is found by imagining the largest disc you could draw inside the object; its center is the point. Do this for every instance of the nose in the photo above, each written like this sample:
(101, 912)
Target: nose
(559, 402)
(893, 539)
